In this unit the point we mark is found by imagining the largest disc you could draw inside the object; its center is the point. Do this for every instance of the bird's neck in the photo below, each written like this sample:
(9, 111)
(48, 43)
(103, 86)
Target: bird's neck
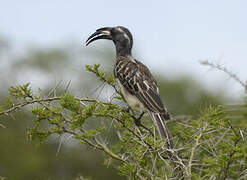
(123, 52)
(123, 49)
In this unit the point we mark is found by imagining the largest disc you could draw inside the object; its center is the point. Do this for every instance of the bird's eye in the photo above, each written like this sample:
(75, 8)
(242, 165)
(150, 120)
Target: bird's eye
(114, 32)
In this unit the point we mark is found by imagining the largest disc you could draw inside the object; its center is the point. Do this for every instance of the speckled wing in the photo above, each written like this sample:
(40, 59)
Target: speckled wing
(138, 81)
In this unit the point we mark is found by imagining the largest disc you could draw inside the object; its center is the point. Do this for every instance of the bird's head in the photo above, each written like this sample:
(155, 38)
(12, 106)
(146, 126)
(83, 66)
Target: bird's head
(120, 35)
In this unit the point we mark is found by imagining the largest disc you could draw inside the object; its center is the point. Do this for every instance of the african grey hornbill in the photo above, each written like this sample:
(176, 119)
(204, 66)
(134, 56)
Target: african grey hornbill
(137, 84)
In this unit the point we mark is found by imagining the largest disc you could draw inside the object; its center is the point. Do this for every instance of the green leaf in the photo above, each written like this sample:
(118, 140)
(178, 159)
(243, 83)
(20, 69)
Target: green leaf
(69, 102)
(23, 91)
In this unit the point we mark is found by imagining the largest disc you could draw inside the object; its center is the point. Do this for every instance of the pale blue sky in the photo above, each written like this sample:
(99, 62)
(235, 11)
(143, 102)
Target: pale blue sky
(170, 36)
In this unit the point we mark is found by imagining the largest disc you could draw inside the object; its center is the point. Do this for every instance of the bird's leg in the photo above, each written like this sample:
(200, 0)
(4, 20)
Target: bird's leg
(139, 124)
(127, 109)
(138, 120)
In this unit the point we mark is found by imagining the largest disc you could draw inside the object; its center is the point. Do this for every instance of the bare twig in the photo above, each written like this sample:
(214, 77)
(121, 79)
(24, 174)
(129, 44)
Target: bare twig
(225, 70)
(33, 101)
(194, 148)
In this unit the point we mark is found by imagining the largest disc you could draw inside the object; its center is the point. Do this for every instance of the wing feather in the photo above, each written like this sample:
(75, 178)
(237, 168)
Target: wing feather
(138, 81)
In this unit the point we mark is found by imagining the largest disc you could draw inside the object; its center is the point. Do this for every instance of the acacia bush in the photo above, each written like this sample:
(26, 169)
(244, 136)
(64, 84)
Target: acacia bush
(213, 144)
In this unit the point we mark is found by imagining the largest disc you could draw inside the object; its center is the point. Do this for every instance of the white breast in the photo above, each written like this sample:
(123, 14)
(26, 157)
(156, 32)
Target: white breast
(130, 99)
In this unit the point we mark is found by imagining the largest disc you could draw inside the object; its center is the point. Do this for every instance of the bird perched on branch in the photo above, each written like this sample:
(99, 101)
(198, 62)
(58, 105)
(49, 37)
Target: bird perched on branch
(137, 84)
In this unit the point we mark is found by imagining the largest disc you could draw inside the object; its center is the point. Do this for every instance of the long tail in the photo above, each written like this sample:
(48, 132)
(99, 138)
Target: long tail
(159, 120)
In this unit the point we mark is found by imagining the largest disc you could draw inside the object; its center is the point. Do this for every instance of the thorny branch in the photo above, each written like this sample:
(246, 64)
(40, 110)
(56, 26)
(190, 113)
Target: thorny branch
(98, 145)
(194, 148)
(229, 162)
(228, 72)
(156, 153)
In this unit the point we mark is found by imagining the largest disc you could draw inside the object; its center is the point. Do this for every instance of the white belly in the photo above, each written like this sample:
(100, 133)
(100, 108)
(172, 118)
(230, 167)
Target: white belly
(130, 99)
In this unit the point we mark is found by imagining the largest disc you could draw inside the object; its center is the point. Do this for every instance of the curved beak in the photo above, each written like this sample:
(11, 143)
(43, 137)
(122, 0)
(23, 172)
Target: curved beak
(102, 33)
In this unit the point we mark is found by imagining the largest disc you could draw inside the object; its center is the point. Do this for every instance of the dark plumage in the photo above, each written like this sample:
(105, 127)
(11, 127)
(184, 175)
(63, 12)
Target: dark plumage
(137, 84)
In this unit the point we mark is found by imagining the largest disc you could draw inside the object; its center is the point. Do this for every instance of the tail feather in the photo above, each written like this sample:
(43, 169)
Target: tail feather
(159, 120)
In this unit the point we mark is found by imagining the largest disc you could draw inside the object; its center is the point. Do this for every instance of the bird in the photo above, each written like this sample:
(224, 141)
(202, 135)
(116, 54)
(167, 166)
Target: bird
(138, 86)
